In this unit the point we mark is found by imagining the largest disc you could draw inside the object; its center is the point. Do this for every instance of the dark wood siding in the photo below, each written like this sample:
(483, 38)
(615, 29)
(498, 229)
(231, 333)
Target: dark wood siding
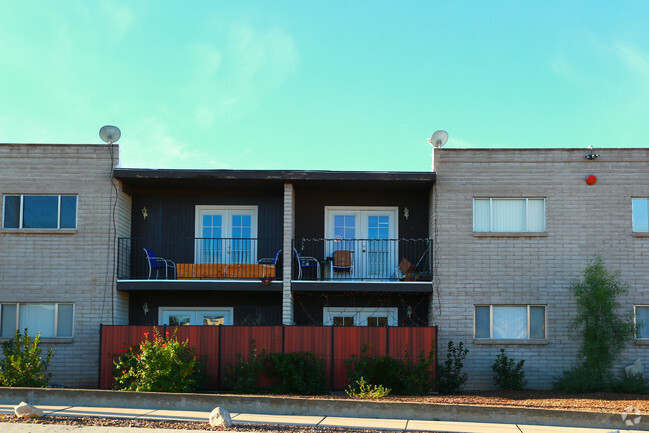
(310, 209)
(250, 308)
(170, 220)
(412, 307)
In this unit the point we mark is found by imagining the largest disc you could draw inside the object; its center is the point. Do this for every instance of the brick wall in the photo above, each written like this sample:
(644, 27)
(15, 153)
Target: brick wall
(75, 267)
(581, 220)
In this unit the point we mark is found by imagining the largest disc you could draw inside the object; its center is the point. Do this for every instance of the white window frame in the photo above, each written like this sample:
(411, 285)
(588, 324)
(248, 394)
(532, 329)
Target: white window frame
(635, 315)
(229, 311)
(633, 215)
(227, 211)
(360, 314)
(491, 214)
(33, 332)
(491, 324)
(22, 208)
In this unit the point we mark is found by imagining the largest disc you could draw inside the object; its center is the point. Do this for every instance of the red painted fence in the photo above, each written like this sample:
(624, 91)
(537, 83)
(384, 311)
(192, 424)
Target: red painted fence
(221, 344)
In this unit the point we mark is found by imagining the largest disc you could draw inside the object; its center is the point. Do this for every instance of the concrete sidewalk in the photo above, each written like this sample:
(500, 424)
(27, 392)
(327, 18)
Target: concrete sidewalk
(249, 418)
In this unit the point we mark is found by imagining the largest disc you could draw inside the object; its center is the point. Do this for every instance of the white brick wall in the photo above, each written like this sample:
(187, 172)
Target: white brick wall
(581, 220)
(77, 267)
(287, 254)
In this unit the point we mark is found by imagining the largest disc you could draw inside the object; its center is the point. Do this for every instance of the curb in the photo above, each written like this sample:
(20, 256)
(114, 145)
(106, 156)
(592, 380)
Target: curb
(312, 407)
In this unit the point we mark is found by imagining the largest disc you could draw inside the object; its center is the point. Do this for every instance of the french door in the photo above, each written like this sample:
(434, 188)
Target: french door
(369, 233)
(226, 235)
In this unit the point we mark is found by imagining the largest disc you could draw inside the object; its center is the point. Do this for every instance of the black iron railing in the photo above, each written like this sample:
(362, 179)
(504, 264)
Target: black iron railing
(198, 258)
(362, 259)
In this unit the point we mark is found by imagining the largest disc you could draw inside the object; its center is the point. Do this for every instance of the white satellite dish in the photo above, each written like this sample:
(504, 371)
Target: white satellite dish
(438, 139)
(110, 134)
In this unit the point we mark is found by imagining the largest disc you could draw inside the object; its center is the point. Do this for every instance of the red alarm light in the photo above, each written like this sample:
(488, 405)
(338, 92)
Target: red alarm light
(591, 179)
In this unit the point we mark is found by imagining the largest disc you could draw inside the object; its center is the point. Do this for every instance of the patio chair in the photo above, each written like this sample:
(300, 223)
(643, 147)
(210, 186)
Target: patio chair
(306, 262)
(158, 263)
(270, 260)
(343, 261)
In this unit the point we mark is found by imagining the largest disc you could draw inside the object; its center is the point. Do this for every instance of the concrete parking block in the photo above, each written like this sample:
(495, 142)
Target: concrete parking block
(252, 418)
(367, 423)
(7, 408)
(461, 427)
(107, 412)
(180, 415)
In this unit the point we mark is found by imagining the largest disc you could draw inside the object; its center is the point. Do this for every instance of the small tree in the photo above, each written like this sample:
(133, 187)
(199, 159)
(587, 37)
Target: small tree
(22, 364)
(604, 330)
(451, 378)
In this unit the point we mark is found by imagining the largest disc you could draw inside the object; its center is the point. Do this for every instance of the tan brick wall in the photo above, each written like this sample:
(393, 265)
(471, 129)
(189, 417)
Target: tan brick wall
(581, 220)
(54, 267)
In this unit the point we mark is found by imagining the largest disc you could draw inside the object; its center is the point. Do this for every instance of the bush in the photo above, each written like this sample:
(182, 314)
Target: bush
(507, 373)
(159, 365)
(402, 377)
(296, 373)
(22, 364)
(631, 385)
(290, 373)
(451, 378)
(243, 377)
(364, 390)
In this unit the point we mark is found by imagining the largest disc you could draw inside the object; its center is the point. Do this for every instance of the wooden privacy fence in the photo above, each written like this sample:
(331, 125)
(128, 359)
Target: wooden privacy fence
(221, 344)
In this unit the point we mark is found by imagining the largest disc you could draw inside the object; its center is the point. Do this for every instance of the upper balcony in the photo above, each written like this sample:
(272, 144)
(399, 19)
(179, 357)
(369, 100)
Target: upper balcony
(156, 261)
(366, 264)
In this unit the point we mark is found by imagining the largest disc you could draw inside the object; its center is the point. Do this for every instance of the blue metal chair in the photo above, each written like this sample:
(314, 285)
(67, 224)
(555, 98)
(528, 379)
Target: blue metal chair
(270, 260)
(158, 263)
(306, 262)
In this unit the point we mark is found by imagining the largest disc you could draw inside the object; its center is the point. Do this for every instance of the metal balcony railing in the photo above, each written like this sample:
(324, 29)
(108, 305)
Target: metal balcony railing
(198, 259)
(362, 259)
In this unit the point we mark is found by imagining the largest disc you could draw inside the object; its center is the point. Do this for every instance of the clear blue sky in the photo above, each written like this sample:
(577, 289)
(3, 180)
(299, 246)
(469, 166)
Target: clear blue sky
(333, 85)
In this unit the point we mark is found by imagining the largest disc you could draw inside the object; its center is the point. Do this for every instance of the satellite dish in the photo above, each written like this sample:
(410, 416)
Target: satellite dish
(438, 139)
(110, 134)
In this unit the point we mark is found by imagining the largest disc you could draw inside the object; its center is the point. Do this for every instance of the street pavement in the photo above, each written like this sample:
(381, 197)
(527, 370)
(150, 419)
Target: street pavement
(247, 418)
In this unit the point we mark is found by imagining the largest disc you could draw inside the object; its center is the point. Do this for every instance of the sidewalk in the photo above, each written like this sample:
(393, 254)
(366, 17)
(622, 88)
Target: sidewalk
(248, 418)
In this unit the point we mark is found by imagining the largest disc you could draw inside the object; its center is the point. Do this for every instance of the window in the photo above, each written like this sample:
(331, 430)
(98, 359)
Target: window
(641, 214)
(40, 212)
(183, 316)
(360, 316)
(642, 321)
(516, 322)
(509, 215)
(51, 320)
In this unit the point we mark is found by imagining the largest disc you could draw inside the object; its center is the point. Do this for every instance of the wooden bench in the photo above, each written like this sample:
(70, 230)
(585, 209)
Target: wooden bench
(219, 271)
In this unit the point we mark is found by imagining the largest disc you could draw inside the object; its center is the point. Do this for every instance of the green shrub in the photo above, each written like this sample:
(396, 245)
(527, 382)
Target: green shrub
(631, 385)
(159, 365)
(604, 331)
(243, 376)
(296, 373)
(364, 390)
(402, 377)
(451, 378)
(507, 373)
(22, 364)
(290, 373)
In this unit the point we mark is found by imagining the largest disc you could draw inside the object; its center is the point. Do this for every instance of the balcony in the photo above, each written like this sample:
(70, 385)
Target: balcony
(362, 260)
(199, 259)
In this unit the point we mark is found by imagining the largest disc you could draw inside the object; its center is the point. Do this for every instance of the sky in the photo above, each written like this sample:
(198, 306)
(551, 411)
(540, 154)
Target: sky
(323, 85)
